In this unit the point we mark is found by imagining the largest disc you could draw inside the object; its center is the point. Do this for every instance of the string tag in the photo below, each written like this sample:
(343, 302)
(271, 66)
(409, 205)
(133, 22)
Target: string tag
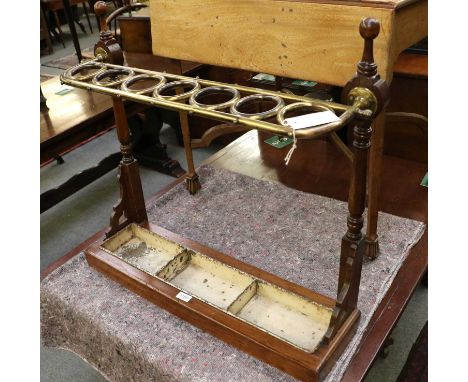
(304, 121)
(288, 156)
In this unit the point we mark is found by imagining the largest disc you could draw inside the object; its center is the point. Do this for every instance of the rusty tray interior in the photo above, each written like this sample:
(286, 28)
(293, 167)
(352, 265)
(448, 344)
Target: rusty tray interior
(279, 312)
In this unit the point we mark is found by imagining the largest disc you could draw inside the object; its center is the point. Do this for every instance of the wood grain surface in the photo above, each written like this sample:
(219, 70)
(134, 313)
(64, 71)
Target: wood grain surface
(299, 39)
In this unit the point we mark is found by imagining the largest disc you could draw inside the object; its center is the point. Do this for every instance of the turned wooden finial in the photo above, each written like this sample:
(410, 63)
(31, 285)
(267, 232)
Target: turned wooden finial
(100, 9)
(369, 30)
(107, 48)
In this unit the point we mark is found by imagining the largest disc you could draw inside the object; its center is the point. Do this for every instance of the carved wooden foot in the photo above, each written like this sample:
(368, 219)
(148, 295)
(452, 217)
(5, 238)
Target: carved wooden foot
(148, 149)
(371, 249)
(155, 157)
(192, 183)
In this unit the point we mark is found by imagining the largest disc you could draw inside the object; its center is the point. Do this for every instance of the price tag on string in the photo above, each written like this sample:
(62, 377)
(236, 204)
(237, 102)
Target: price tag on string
(307, 120)
(312, 119)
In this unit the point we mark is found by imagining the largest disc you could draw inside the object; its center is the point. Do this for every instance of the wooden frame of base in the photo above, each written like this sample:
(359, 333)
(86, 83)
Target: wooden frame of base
(246, 337)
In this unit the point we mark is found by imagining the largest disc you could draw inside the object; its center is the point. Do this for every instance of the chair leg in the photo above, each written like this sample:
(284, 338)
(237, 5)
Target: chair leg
(87, 16)
(57, 22)
(74, 15)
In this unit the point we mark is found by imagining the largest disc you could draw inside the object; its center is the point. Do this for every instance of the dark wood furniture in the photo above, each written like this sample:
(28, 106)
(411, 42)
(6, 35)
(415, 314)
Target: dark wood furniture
(54, 6)
(45, 33)
(406, 133)
(366, 94)
(131, 209)
(64, 128)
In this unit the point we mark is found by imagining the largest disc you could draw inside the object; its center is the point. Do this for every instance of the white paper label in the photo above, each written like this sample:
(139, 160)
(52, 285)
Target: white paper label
(312, 119)
(184, 296)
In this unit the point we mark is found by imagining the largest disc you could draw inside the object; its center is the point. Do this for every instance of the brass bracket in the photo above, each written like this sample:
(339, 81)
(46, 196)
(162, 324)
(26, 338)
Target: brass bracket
(365, 96)
(100, 54)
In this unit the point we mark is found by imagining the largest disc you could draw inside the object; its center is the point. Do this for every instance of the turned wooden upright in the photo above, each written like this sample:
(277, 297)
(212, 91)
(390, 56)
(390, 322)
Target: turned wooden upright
(131, 205)
(366, 83)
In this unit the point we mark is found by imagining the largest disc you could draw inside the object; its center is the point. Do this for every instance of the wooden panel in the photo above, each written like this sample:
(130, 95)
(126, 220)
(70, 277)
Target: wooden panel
(411, 24)
(411, 65)
(135, 34)
(307, 40)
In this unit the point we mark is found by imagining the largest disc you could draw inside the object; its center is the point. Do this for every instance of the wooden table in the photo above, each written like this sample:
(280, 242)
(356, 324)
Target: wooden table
(314, 40)
(327, 173)
(73, 118)
(54, 5)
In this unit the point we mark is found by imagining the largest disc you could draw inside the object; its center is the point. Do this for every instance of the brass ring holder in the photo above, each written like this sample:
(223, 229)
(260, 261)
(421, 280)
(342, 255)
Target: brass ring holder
(211, 90)
(260, 97)
(300, 105)
(173, 85)
(97, 80)
(141, 77)
(74, 71)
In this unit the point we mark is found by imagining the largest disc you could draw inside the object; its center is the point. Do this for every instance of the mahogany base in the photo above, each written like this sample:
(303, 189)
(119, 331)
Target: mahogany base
(272, 349)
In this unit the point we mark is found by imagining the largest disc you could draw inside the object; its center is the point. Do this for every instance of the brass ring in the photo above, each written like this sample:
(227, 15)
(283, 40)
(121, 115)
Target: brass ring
(98, 77)
(141, 77)
(299, 105)
(178, 97)
(74, 71)
(215, 89)
(265, 114)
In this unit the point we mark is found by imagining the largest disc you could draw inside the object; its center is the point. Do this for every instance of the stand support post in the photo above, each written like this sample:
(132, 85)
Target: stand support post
(367, 86)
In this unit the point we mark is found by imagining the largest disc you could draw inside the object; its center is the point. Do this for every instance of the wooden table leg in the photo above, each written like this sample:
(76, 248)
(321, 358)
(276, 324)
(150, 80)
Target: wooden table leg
(57, 22)
(71, 24)
(191, 178)
(130, 207)
(375, 173)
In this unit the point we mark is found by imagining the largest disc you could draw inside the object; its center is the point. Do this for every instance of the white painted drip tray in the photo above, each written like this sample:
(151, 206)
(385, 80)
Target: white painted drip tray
(206, 278)
(277, 311)
(142, 248)
(287, 315)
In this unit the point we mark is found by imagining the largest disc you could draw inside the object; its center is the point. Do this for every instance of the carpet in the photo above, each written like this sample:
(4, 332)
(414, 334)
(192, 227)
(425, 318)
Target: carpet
(287, 232)
(68, 61)
(416, 366)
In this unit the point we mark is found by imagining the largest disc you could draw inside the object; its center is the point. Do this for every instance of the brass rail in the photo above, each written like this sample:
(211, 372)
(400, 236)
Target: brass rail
(345, 113)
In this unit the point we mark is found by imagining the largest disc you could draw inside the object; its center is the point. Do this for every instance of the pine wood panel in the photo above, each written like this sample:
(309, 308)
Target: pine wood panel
(294, 39)
(314, 40)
